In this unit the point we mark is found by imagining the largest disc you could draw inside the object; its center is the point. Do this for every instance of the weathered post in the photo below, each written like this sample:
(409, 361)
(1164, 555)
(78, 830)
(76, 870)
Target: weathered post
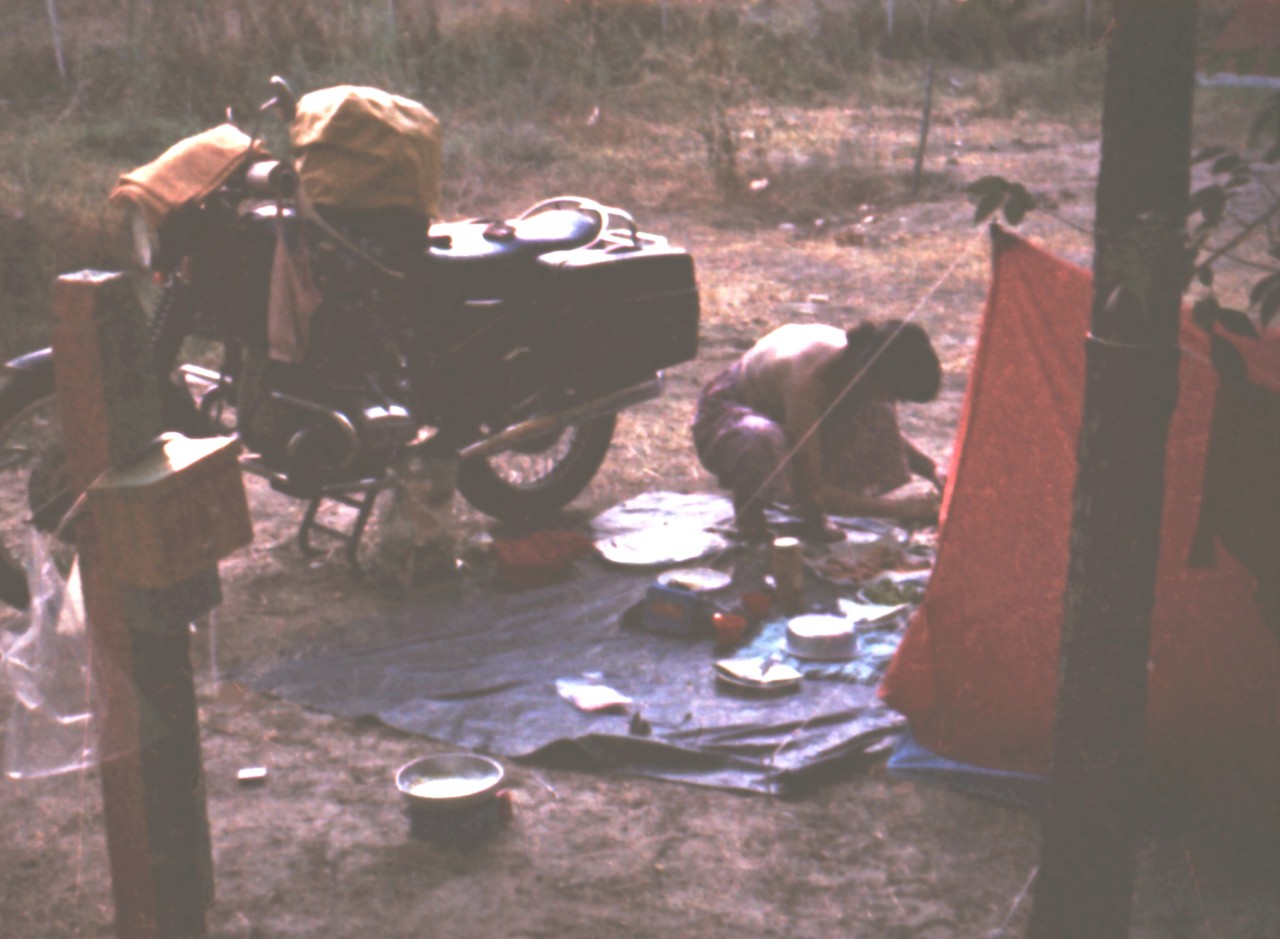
(152, 775)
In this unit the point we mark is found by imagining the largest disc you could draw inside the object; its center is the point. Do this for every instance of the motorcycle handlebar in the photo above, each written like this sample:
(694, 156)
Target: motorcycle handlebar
(283, 98)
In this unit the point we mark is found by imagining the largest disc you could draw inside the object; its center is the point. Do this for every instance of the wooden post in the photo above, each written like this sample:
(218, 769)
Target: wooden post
(152, 775)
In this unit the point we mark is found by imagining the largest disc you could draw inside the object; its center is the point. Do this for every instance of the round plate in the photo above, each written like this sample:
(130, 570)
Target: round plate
(758, 687)
(754, 675)
(660, 546)
(696, 579)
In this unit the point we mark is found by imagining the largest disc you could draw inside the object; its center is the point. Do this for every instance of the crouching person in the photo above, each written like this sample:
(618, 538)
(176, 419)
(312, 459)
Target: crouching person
(807, 417)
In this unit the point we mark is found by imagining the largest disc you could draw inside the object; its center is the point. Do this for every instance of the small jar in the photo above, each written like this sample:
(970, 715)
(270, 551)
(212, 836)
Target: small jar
(788, 574)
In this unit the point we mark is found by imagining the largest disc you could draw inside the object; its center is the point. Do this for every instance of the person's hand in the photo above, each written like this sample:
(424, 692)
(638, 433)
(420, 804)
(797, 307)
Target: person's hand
(918, 508)
(819, 530)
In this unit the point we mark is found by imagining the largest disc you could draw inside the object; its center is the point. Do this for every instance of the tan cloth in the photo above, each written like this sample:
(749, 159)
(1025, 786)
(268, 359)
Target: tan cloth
(189, 171)
(361, 148)
(293, 303)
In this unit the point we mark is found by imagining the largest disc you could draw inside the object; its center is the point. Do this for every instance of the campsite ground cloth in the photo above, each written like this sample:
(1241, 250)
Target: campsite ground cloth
(479, 669)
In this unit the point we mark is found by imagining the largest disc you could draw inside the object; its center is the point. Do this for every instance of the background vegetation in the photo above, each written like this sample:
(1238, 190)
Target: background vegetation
(537, 97)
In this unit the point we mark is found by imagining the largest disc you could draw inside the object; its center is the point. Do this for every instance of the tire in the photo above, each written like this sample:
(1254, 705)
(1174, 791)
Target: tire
(33, 472)
(534, 483)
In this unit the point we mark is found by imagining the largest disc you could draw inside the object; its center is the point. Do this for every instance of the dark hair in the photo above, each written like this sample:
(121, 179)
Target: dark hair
(898, 355)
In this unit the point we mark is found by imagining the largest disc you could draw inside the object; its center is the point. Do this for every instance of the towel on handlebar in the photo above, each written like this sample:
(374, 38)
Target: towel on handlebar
(189, 171)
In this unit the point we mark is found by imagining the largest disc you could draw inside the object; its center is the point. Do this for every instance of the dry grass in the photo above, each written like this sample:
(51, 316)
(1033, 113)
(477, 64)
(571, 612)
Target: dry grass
(537, 98)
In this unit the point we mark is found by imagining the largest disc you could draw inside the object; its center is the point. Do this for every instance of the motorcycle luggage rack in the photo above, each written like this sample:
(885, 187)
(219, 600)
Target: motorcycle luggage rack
(359, 494)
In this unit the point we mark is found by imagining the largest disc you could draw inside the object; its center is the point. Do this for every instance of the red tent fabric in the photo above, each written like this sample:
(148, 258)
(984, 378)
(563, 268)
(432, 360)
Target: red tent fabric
(976, 672)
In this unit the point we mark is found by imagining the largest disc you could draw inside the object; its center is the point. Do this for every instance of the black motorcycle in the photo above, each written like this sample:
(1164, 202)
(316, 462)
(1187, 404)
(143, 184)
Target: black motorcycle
(511, 344)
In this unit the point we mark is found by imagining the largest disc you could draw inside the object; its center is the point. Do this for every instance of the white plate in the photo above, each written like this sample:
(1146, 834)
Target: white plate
(658, 546)
(696, 579)
(757, 675)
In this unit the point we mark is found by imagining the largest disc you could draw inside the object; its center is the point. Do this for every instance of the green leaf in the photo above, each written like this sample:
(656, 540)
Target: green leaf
(1237, 322)
(1205, 313)
(1210, 202)
(1227, 359)
(987, 205)
(1263, 287)
(987, 192)
(980, 187)
(1019, 203)
(1226, 164)
(1269, 306)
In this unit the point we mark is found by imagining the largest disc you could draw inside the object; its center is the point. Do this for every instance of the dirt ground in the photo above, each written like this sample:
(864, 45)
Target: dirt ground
(323, 850)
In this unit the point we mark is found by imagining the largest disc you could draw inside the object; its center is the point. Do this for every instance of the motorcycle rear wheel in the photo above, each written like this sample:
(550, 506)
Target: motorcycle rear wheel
(530, 483)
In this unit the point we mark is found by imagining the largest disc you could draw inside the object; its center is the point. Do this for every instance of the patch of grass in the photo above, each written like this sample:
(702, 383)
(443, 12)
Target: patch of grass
(607, 98)
(1058, 85)
(1224, 114)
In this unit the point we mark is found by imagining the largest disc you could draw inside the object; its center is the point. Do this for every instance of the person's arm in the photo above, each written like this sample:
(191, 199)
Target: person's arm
(841, 501)
(922, 464)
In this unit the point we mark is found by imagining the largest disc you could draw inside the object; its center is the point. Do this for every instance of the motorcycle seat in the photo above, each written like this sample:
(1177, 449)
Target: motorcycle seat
(477, 241)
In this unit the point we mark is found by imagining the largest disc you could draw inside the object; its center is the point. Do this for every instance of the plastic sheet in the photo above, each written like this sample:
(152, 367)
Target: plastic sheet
(46, 669)
(486, 671)
(912, 760)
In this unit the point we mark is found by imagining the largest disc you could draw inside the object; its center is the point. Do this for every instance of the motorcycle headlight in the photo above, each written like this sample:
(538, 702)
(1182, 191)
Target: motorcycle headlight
(146, 240)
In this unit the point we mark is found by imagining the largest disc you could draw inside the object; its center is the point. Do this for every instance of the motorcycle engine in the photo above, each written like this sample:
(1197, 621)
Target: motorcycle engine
(319, 432)
(341, 413)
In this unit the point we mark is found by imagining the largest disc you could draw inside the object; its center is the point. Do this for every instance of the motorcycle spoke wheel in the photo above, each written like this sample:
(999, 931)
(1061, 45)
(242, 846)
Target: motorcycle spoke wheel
(539, 478)
(32, 475)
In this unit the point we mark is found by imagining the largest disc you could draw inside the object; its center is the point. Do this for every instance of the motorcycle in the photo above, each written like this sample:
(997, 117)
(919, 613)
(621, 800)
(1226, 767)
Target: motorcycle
(509, 344)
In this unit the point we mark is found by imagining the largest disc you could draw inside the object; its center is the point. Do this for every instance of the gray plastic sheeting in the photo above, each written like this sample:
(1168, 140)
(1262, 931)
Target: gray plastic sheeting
(480, 672)
(479, 669)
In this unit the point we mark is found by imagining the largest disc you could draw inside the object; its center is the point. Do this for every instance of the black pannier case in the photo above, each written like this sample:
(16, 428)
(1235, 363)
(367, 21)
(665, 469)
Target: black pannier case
(630, 312)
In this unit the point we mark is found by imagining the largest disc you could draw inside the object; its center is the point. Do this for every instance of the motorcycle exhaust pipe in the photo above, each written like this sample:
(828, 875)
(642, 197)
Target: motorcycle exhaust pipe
(549, 424)
(346, 429)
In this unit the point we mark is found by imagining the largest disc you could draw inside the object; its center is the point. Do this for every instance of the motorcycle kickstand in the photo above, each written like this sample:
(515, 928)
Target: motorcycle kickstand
(360, 497)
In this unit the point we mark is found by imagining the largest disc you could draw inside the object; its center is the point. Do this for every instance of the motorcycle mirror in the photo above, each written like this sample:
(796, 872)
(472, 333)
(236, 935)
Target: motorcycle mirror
(283, 99)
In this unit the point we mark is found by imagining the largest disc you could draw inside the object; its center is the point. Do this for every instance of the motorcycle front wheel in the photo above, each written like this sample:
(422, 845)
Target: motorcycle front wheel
(33, 479)
(539, 479)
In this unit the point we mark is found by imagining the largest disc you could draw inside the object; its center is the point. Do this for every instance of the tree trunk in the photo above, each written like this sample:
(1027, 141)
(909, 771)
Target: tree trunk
(926, 112)
(1140, 270)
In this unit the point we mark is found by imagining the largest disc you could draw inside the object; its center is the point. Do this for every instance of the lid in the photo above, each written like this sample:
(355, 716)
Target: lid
(820, 636)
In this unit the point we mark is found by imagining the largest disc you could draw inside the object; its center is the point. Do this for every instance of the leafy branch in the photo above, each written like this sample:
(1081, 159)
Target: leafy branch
(1208, 218)
(992, 194)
